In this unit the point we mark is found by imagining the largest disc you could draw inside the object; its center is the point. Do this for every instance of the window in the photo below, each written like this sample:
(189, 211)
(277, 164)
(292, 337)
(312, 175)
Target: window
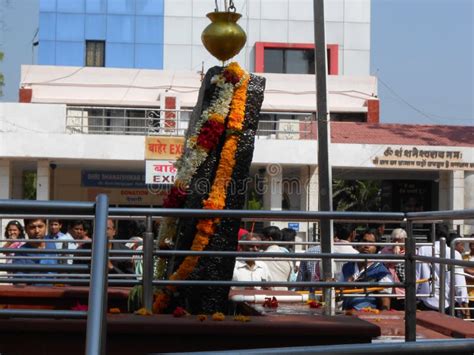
(292, 58)
(289, 61)
(95, 53)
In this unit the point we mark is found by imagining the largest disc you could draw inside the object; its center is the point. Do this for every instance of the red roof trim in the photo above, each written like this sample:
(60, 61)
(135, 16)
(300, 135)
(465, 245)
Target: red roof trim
(402, 134)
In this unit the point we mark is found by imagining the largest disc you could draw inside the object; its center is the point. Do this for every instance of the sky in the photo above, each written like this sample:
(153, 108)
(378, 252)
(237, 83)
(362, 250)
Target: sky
(422, 52)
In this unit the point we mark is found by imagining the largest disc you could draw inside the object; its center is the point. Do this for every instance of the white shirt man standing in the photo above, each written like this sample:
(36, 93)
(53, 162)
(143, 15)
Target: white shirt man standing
(250, 270)
(423, 271)
(279, 270)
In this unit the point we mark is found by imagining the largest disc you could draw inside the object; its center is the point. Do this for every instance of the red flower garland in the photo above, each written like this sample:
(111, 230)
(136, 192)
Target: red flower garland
(209, 135)
(175, 198)
(231, 77)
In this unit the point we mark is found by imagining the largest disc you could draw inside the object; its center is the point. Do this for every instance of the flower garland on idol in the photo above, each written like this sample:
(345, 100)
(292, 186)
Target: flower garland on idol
(208, 130)
(229, 102)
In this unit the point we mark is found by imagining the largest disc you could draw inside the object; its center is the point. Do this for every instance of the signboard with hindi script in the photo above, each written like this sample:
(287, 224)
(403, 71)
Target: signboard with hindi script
(160, 172)
(163, 148)
(419, 158)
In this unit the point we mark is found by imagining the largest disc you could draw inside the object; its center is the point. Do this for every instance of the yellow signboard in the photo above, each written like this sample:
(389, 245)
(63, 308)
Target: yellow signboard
(163, 148)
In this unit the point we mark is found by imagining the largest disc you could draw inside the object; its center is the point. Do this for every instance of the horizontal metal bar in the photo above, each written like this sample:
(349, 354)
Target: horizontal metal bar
(266, 242)
(444, 261)
(26, 251)
(85, 217)
(49, 207)
(440, 215)
(275, 215)
(83, 275)
(277, 283)
(36, 267)
(62, 241)
(285, 255)
(457, 346)
(31, 280)
(41, 313)
(263, 258)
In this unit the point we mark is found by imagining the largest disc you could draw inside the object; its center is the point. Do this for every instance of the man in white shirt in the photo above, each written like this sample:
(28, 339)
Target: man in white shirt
(423, 271)
(250, 270)
(279, 270)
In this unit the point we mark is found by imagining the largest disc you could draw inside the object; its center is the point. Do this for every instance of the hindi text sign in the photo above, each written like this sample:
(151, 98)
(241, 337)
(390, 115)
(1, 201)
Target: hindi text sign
(415, 158)
(161, 148)
(160, 172)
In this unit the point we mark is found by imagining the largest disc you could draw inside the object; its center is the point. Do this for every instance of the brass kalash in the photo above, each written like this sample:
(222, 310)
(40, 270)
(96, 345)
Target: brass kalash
(224, 38)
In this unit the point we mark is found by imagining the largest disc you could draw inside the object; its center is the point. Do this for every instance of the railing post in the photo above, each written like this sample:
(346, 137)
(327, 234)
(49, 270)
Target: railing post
(452, 278)
(433, 252)
(148, 265)
(96, 334)
(410, 285)
(442, 276)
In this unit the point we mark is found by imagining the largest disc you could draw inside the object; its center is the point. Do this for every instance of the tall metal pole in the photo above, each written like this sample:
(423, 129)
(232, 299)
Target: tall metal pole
(148, 265)
(410, 285)
(452, 277)
(96, 333)
(324, 167)
(442, 276)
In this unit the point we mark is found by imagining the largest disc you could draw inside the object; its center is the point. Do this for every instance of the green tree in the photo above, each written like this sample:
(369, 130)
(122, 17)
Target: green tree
(356, 195)
(29, 185)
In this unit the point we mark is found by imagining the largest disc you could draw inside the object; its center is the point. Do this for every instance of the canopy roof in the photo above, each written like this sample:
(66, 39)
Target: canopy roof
(142, 87)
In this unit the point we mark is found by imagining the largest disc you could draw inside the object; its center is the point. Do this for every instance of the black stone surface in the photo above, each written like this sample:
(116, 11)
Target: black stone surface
(215, 299)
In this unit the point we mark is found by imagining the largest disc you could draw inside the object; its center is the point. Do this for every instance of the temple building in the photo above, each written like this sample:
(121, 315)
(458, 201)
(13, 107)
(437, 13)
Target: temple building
(107, 110)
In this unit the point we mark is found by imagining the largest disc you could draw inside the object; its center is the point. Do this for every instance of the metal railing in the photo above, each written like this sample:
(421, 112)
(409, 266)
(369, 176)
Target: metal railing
(96, 314)
(156, 121)
(96, 321)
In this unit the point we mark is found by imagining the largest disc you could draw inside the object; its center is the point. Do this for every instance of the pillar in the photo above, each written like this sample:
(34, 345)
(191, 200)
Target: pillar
(373, 111)
(469, 200)
(310, 188)
(273, 193)
(309, 197)
(42, 180)
(5, 179)
(444, 190)
(456, 185)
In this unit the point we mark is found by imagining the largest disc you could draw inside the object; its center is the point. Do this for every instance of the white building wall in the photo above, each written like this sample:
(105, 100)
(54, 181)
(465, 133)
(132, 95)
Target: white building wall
(285, 21)
(35, 118)
(469, 200)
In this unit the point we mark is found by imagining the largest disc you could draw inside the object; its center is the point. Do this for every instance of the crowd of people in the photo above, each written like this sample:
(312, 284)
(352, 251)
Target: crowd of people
(346, 239)
(39, 234)
(24, 243)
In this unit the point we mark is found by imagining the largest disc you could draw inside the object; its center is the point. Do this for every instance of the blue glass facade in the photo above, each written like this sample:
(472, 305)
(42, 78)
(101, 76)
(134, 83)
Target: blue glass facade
(132, 31)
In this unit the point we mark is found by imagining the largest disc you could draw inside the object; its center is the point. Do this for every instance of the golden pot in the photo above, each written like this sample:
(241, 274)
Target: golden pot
(223, 38)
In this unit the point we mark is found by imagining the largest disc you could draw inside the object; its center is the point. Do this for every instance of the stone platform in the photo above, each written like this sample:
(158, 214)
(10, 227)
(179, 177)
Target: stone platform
(287, 326)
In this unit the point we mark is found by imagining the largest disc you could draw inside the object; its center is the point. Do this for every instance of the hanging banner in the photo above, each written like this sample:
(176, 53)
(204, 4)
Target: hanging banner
(160, 172)
(163, 148)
